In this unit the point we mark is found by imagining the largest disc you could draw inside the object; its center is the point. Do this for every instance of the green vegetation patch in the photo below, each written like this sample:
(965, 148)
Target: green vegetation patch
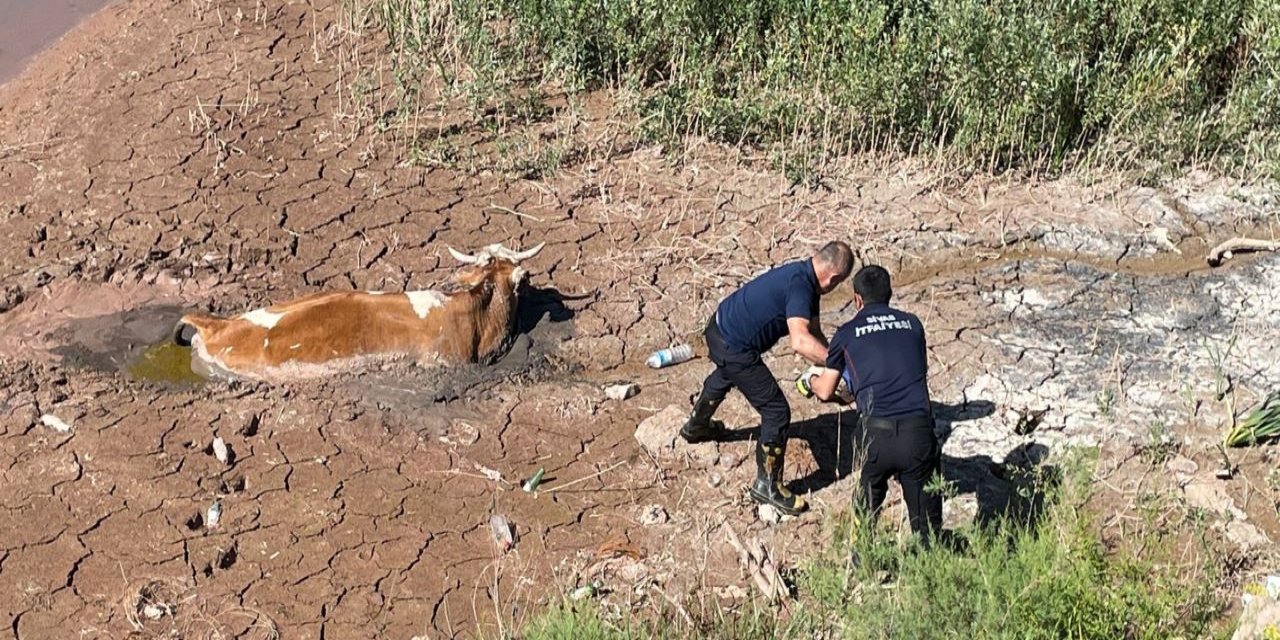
(992, 84)
(1044, 573)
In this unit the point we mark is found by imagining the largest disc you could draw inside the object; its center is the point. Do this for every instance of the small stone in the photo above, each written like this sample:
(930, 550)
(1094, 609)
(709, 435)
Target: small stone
(585, 591)
(653, 515)
(1246, 536)
(732, 592)
(632, 572)
(460, 433)
(714, 479)
(1182, 465)
(153, 612)
(55, 423)
(768, 514)
(220, 450)
(730, 460)
(621, 391)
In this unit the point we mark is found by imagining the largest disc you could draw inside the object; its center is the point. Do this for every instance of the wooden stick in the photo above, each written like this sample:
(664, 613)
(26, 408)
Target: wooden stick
(752, 564)
(515, 213)
(1223, 252)
(594, 475)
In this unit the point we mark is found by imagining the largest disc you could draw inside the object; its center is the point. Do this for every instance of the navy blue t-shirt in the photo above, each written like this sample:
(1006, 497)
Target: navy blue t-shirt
(754, 317)
(882, 355)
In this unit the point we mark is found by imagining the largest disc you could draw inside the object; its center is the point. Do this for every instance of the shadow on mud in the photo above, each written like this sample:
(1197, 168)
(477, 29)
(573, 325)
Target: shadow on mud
(124, 342)
(1012, 490)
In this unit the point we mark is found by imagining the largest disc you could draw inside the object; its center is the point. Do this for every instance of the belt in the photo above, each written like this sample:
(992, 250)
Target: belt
(891, 424)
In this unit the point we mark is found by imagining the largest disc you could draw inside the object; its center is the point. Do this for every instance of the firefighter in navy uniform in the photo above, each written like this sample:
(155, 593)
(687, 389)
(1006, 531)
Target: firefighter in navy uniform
(881, 355)
(750, 321)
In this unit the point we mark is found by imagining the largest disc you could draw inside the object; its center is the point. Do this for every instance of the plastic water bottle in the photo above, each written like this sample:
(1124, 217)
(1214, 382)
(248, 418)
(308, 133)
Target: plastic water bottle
(667, 357)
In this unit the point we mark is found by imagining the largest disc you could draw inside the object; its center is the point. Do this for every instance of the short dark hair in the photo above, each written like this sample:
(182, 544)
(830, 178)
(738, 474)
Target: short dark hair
(872, 283)
(837, 255)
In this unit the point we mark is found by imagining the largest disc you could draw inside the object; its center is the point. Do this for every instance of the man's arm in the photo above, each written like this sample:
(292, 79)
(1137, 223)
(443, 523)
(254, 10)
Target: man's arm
(824, 385)
(815, 328)
(804, 342)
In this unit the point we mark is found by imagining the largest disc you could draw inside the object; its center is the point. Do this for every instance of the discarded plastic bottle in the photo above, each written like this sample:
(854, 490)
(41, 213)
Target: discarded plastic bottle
(668, 357)
(532, 483)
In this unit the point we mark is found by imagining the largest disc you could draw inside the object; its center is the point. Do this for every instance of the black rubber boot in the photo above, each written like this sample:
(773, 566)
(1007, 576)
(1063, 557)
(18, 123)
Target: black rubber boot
(700, 427)
(768, 488)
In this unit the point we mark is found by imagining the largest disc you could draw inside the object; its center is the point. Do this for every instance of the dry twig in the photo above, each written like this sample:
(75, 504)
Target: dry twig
(1224, 251)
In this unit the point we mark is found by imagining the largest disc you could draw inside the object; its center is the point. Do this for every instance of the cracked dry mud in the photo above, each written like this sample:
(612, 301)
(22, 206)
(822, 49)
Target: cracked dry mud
(173, 154)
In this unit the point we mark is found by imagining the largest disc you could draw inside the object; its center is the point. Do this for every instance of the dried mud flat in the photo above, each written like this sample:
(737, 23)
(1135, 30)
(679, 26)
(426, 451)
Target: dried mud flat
(185, 154)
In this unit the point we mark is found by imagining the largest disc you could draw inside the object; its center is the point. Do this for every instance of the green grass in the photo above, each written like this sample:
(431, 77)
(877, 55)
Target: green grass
(1039, 85)
(1051, 578)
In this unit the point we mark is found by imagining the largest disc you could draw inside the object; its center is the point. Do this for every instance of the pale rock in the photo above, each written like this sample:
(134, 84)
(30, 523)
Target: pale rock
(960, 510)
(220, 450)
(1246, 537)
(768, 514)
(460, 433)
(1211, 497)
(659, 434)
(632, 571)
(621, 391)
(55, 423)
(1257, 616)
(1182, 466)
(653, 515)
(730, 460)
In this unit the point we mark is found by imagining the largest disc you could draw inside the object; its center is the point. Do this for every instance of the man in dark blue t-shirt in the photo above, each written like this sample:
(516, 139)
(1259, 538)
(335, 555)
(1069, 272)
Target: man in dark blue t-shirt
(881, 356)
(781, 302)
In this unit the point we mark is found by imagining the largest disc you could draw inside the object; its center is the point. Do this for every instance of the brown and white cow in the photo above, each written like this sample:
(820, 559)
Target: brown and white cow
(471, 320)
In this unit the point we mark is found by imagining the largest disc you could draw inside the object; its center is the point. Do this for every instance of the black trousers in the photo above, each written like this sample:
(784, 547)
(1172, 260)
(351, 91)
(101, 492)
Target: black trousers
(906, 449)
(747, 372)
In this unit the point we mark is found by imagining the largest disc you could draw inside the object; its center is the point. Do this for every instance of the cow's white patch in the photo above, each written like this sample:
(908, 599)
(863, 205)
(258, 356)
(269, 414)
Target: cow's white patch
(295, 346)
(376, 293)
(266, 342)
(262, 318)
(424, 301)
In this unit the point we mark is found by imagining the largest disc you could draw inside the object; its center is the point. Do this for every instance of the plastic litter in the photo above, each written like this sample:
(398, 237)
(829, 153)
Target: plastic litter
(532, 483)
(503, 534)
(55, 423)
(667, 357)
(213, 515)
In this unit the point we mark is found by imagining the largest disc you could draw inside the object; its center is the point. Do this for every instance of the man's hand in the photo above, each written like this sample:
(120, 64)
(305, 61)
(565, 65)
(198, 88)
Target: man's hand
(804, 384)
(804, 342)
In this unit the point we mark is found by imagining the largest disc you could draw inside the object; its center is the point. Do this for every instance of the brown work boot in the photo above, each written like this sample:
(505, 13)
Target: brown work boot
(768, 488)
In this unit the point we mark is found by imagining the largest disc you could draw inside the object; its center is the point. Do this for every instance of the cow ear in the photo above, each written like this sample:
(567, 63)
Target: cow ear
(518, 274)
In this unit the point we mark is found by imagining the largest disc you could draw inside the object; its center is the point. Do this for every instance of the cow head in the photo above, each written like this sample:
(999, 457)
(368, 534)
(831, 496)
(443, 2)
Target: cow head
(494, 263)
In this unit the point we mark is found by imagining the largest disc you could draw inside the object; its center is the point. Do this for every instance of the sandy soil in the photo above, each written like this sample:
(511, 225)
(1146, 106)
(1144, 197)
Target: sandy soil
(177, 154)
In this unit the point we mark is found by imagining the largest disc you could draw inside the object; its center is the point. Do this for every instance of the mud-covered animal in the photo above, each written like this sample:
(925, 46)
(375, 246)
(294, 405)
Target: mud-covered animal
(472, 319)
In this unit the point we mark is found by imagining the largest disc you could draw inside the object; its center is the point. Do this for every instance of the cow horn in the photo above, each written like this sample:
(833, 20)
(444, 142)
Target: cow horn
(525, 255)
(462, 257)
